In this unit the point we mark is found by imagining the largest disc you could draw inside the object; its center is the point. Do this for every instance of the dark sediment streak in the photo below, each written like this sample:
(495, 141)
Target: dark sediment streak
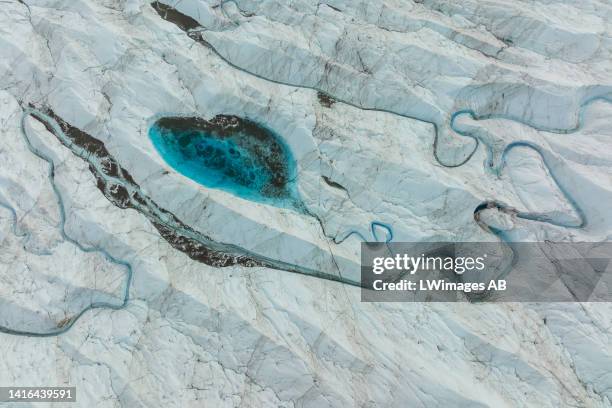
(125, 193)
(119, 195)
(325, 99)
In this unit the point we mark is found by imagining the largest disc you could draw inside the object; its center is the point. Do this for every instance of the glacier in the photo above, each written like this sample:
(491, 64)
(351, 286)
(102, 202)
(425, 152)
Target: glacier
(427, 120)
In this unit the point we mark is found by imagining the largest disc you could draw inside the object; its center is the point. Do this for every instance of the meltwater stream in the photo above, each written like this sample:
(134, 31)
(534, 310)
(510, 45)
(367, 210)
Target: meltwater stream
(193, 30)
(275, 184)
(226, 169)
(497, 166)
(62, 227)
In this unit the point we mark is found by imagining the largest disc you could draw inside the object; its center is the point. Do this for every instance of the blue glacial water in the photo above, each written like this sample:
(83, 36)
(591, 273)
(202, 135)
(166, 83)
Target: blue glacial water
(231, 154)
(273, 179)
(56, 129)
(244, 164)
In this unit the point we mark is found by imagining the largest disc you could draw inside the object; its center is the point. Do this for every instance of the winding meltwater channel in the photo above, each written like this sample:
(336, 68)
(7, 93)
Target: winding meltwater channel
(51, 171)
(241, 157)
(248, 160)
(194, 31)
(263, 170)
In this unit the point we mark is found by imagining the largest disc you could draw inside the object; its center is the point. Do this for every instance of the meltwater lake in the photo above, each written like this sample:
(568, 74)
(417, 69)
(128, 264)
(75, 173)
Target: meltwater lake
(229, 153)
